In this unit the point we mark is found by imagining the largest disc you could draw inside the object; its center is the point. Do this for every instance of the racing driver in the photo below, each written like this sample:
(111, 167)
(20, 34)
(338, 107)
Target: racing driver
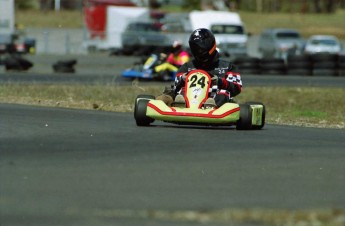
(174, 60)
(225, 75)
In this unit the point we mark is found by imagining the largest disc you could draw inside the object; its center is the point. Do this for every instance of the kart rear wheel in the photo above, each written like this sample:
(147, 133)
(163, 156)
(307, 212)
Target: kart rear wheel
(263, 117)
(140, 110)
(245, 121)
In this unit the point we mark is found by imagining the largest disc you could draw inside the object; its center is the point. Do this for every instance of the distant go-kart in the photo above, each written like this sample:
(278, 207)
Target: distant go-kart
(145, 70)
(246, 116)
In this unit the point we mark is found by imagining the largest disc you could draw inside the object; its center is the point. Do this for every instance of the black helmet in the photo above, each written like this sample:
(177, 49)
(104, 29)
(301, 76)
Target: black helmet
(203, 45)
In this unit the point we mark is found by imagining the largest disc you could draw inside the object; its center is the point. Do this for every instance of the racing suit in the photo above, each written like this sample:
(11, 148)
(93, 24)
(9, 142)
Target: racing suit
(228, 80)
(178, 59)
(173, 62)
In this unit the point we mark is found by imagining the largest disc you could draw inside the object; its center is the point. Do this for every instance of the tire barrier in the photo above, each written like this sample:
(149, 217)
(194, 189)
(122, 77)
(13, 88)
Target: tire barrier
(16, 63)
(66, 66)
(299, 65)
(341, 65)
(248, 65)
(325, 64)
(302, 65)
(272, 66)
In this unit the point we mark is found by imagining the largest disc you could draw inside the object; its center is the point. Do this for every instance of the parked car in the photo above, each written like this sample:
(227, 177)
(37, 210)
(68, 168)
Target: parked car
(281, 42)
(323, 44)
(144, 37)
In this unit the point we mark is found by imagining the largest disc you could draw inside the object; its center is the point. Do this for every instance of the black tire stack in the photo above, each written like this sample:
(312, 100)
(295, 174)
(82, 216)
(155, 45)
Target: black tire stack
(325, 64)
(299, 65)
(272, 66)
(341, 65)
(248, 65)
(65, 66)
(16, 63)
(321, 64)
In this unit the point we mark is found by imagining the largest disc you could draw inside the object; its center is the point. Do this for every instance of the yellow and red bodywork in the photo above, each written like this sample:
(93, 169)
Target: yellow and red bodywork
(226, 114)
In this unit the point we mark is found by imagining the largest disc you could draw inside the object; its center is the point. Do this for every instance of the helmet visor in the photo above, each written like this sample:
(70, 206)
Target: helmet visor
(202, 54)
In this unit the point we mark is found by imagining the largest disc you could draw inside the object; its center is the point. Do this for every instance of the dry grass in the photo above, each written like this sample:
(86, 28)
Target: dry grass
(255, 216)
(50, 19)
(307, 24)
(318, 107)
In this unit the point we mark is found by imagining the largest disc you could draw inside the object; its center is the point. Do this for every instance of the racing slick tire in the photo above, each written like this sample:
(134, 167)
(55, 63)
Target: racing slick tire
(263, 117)
(140, 110)
(245, 121)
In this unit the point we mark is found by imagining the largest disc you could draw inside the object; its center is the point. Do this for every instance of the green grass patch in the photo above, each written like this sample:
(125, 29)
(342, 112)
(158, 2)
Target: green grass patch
(318, 107)
(311, 114)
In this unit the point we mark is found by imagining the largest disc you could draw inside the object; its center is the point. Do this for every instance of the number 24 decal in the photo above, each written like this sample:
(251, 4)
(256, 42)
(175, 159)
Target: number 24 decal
(194, 80)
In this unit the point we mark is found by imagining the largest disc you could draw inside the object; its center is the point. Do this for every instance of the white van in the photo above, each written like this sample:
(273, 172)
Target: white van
(227, 27)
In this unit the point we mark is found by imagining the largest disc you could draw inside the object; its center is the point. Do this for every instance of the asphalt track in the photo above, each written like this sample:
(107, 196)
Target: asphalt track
(87, 167)
(79, 167)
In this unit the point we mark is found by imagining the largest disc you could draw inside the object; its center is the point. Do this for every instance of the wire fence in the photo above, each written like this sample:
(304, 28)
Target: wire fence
(58, 41)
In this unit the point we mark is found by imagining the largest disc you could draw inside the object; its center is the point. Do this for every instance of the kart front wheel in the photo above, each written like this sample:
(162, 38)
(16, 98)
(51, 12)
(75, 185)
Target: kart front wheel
(140, 110)
(263, 116)
(245, 121)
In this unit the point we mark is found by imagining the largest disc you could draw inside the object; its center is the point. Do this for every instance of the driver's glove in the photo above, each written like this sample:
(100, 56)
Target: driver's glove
(179, 82)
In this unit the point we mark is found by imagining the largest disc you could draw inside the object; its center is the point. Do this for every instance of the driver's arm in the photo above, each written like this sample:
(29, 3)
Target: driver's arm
(231, 82)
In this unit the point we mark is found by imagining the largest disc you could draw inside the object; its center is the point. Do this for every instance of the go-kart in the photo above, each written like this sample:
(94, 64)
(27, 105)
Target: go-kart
(246, 116)
(144, 70)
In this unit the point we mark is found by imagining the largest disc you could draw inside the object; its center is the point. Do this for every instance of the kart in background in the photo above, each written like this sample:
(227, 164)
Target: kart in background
(145, 70)
(246, 116)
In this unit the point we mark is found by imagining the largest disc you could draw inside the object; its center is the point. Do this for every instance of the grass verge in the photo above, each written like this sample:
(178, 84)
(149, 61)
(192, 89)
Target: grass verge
(307, 24)
(316, 107)
(50, 19)
(267, 217)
